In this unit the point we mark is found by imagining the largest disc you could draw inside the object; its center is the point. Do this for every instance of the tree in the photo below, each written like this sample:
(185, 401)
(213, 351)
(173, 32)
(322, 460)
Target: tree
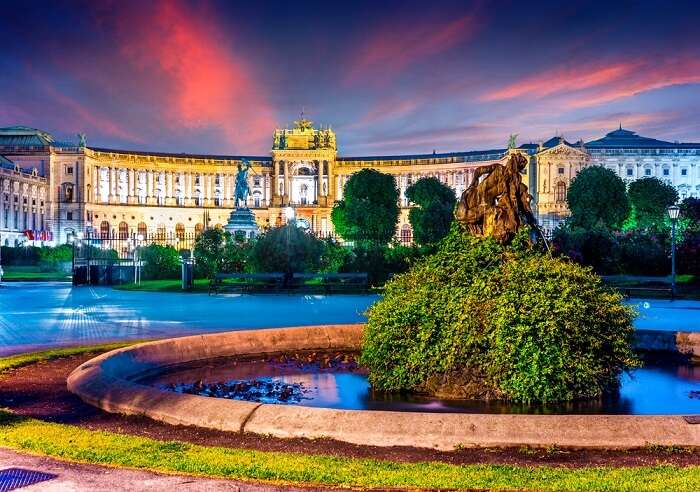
(160, 262)
(369, 210)
(432, 216)
(690, 211)
(650, 197)
(209, 251)
(287, 249)
(597, 196)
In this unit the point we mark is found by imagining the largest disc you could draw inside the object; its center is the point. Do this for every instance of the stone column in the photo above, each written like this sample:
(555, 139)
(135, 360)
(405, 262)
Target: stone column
(287, 192)
(129, 185)
(96, 184)
(111, 184)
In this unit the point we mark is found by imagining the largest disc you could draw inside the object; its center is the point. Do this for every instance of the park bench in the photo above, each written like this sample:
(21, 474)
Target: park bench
(330, 282)
(245, 281)
(630, 291)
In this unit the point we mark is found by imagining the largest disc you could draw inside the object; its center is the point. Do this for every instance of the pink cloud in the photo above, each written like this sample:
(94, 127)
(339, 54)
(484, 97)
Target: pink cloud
(583, 85)
(202, 82)
(392, 48)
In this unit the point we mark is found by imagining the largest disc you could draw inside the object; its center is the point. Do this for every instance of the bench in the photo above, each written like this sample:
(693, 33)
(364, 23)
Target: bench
(330, 282)
(629, 291)
(245, 281)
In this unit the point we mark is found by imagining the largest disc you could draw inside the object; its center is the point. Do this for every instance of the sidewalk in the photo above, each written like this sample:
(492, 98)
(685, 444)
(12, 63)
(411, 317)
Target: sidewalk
(78, 477)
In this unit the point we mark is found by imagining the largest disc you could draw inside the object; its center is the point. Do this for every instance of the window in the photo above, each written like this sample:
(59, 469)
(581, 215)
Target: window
(104, 229)
(630, 171)
(69, 169)
(560, 193)
(180, 231)
(69, 215)
(647, 172)
(406, 234)
(684, 172)
(198, 229)
(561, 170)
(256, 181)
(667, 171)
(123, 230)
(142, 229)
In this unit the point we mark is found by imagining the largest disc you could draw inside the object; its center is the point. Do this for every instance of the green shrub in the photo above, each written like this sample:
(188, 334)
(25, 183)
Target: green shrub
(480, 320)
(160, 262)
(287, 249)
(56, 258)
(598, 247)
(379, 261)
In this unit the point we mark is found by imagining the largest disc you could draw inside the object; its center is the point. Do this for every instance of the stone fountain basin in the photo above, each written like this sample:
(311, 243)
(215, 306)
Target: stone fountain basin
(107, 382)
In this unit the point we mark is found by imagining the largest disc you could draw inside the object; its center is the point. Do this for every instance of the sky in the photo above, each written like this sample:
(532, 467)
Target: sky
(394, 77)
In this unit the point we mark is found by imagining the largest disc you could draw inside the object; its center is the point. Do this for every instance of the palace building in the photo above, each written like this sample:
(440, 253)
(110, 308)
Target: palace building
(52, 190)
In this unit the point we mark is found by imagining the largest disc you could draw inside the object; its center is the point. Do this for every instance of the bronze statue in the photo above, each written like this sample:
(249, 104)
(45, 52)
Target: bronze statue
(498, 204)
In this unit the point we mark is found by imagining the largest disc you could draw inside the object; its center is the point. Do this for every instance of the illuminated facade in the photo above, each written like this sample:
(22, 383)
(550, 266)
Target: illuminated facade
(120, 193)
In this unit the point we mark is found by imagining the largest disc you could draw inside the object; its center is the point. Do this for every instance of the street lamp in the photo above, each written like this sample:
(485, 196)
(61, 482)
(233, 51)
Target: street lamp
(673, 212)
(289, 214)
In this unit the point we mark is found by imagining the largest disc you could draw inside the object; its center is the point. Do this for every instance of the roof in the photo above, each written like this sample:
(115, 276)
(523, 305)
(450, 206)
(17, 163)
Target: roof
(622, 138)
(24, 135)
(471, 155)
(182, 155)
(6, 163)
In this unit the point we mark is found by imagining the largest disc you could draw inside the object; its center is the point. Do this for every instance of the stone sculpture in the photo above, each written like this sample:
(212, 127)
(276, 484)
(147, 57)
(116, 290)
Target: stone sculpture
(498, 204)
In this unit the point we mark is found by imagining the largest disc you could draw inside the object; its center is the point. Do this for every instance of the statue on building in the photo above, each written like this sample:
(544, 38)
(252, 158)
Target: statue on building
(512, 144)
(283, 140)
(276, 140)
(499, 204)
(242, 187)
(81, 140)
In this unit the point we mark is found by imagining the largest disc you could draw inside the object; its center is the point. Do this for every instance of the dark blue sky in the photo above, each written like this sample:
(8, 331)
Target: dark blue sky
(389, 77)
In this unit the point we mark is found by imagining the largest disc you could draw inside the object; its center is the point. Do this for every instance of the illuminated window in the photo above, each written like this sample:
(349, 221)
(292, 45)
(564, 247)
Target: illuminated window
(560, 193)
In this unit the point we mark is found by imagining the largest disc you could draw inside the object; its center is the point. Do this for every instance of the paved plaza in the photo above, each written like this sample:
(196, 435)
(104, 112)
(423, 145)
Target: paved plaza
(44, 314)
(37, 315)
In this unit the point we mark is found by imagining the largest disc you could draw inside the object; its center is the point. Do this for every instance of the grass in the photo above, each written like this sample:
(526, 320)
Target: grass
(74, 443)
(31, 273)
(19, 360)
(107, 448)
(200, 285)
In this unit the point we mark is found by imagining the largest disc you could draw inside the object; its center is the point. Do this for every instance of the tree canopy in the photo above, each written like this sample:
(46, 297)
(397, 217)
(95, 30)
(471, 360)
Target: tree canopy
(690, 210)
(369, 210)
(434, 210)
(650, 197)
(597, 196)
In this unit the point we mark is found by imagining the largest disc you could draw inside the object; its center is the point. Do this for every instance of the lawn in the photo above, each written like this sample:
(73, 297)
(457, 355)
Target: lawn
(74, 443)
(31, 273)
(200, 285)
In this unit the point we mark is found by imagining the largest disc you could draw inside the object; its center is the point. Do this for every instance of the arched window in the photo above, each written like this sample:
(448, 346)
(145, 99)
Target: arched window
(198, 229)
(257, 199)
(560, 193)
(104, 229)
(180, 231)
(160, 232)
(406, 234)
(123, 230)
(142, 229)
(219, 226)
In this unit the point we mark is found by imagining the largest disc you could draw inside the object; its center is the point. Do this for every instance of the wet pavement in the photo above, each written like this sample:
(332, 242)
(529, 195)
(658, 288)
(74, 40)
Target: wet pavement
(35, 315)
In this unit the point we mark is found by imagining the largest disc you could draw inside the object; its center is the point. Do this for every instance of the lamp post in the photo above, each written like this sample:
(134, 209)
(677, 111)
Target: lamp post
(673, 212)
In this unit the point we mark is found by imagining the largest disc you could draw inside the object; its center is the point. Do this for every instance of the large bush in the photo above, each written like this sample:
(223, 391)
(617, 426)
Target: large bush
(597, 196)
(433, 212)
(650, 197)
(287, 249)
(598, 247)
(369, 209)
(479, 320)
(379, 261)
(160, 262)
(644, 253)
